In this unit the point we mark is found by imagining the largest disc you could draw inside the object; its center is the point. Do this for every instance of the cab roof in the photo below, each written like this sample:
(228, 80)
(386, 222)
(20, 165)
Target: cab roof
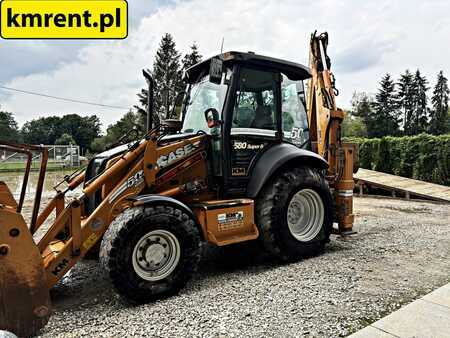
(292, 70)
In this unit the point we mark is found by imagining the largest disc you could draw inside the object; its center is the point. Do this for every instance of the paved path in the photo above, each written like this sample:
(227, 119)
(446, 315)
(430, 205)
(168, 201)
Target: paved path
(427, 317)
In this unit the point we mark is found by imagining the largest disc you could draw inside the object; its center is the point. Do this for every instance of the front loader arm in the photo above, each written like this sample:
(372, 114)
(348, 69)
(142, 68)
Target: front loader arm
(325, 121)
(27, 270)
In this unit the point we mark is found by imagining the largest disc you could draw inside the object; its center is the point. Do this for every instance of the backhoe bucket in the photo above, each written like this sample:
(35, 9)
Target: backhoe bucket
(24, 295)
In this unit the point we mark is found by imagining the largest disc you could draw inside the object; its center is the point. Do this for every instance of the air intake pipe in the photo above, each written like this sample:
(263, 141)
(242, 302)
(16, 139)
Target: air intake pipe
(150, 100)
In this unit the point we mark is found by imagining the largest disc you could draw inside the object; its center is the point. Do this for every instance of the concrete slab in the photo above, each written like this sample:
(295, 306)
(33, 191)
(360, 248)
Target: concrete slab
(440, 296)
(371, 332)
(418, 319)
(428, 317)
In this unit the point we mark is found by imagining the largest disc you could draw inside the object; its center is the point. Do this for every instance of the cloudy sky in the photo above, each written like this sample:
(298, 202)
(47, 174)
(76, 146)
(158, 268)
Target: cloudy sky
(367, 39)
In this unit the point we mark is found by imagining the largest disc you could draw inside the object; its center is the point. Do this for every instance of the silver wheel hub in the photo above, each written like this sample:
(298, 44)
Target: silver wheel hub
(156, 255)
(305, 215)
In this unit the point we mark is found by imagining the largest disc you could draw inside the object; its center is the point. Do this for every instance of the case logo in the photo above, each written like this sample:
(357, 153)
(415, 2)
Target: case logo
(165, 160)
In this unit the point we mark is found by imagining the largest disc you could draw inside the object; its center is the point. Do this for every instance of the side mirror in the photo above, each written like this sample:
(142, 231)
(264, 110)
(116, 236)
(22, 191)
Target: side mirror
(212, 117)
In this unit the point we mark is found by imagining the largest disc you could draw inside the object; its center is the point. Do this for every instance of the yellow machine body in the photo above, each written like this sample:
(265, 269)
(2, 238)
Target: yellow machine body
(24, 294)
(150, 166)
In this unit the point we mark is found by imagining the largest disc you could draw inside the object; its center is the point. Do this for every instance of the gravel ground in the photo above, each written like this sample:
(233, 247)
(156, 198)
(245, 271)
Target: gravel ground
(401, 252)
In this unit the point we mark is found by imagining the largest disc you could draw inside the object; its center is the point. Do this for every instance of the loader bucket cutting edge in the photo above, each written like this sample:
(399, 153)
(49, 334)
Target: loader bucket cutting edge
(24, 296)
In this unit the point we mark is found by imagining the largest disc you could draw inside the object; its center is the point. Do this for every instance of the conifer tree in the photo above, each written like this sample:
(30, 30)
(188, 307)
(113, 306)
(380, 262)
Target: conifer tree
(362, 105)
(406, 100)
(419, 122)
(191, 58)
(384, 120)
(439, 111)
(167, 75)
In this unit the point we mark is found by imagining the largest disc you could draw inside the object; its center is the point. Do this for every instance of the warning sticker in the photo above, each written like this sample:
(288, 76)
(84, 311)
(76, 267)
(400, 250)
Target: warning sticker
(230, 220)
(90, 241)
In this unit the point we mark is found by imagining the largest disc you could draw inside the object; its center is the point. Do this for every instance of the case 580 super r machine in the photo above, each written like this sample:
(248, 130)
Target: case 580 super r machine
(254, 157)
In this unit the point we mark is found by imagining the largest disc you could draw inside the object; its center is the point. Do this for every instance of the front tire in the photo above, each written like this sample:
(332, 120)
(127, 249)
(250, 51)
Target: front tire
(151, 252)
(294, 213)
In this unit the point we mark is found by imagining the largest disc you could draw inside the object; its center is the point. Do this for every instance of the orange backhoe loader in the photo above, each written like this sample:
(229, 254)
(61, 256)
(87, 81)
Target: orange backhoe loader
(253, 157)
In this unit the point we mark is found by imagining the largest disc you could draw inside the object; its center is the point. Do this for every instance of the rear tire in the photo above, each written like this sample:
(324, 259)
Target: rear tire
(7, 334)
(294, 213)
(150, 252)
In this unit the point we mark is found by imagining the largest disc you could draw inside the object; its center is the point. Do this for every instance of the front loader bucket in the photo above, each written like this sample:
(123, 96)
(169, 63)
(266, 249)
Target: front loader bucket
(24, 296)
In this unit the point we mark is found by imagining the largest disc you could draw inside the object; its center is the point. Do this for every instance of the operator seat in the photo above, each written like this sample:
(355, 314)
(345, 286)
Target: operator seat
(263, 118)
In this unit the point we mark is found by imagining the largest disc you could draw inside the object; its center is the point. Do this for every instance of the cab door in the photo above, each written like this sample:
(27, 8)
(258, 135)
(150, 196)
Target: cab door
(294, 119)
(253, 124)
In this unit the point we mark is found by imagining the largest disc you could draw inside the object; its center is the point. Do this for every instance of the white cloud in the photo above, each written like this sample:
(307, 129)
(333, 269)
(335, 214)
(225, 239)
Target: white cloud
(367, 39)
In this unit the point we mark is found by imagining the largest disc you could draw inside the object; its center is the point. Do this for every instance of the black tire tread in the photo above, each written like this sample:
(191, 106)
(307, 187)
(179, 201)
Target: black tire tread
(115, 239)
(270, 206)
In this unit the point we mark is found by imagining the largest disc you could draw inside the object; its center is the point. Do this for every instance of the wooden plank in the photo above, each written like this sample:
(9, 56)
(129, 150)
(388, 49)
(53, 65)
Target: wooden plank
(408, 186)
(443, 194)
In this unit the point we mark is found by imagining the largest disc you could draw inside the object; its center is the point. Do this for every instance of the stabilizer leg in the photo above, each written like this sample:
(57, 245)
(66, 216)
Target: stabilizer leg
(344, 192)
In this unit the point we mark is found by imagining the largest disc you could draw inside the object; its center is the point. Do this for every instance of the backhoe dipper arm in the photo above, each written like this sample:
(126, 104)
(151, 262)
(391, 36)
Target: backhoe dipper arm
(325, 121)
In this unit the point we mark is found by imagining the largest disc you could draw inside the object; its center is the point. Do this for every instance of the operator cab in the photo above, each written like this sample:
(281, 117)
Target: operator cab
(247, 103)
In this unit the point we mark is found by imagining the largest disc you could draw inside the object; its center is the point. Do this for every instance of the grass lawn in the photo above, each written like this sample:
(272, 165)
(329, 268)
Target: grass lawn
(20, 166)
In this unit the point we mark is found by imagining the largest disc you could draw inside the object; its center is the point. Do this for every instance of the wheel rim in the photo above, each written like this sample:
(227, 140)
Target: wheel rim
(156, 255)
(305, 215)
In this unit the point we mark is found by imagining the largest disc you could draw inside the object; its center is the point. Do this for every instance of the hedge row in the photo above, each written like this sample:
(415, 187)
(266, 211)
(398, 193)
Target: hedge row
(423, 157)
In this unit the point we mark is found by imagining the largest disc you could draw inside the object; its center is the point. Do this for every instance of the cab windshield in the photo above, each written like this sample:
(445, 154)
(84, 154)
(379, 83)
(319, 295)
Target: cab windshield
(202, 96)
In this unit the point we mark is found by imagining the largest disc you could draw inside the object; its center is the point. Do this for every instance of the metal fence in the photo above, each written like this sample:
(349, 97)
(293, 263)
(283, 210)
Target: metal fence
(64, 156)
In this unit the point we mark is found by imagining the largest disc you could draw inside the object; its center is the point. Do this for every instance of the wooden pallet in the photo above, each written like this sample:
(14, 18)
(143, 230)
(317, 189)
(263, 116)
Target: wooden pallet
(405, 186)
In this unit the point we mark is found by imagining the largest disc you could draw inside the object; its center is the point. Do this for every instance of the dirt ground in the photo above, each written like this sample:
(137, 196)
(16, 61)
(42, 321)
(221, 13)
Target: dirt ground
(401, 251)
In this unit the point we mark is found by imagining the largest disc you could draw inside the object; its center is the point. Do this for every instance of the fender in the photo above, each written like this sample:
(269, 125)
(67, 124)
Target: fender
(158, 199)
(274, 158)
(155, 199)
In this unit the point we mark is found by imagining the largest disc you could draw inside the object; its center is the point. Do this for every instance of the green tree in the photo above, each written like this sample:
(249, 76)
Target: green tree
(9, 131)
(44, 130)
(167, 71)
(362, 106)
(115, 131)
(124, 125)
(439, 112)
(356, 119)
(65, 139)
(142, 108)
(83, 129)
(406, 100)
(353, 126)
(167, 74)
(100, 144)
(192, 58)
(448, 122)
(384, 120)
(419, 121)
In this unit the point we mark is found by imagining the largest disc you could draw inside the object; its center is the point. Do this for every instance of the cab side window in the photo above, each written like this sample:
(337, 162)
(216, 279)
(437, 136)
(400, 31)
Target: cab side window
(294, 118)
(255, 106)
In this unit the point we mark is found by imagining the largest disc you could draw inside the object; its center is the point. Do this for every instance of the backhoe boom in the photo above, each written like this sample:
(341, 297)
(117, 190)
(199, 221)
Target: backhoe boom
(325, 121)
